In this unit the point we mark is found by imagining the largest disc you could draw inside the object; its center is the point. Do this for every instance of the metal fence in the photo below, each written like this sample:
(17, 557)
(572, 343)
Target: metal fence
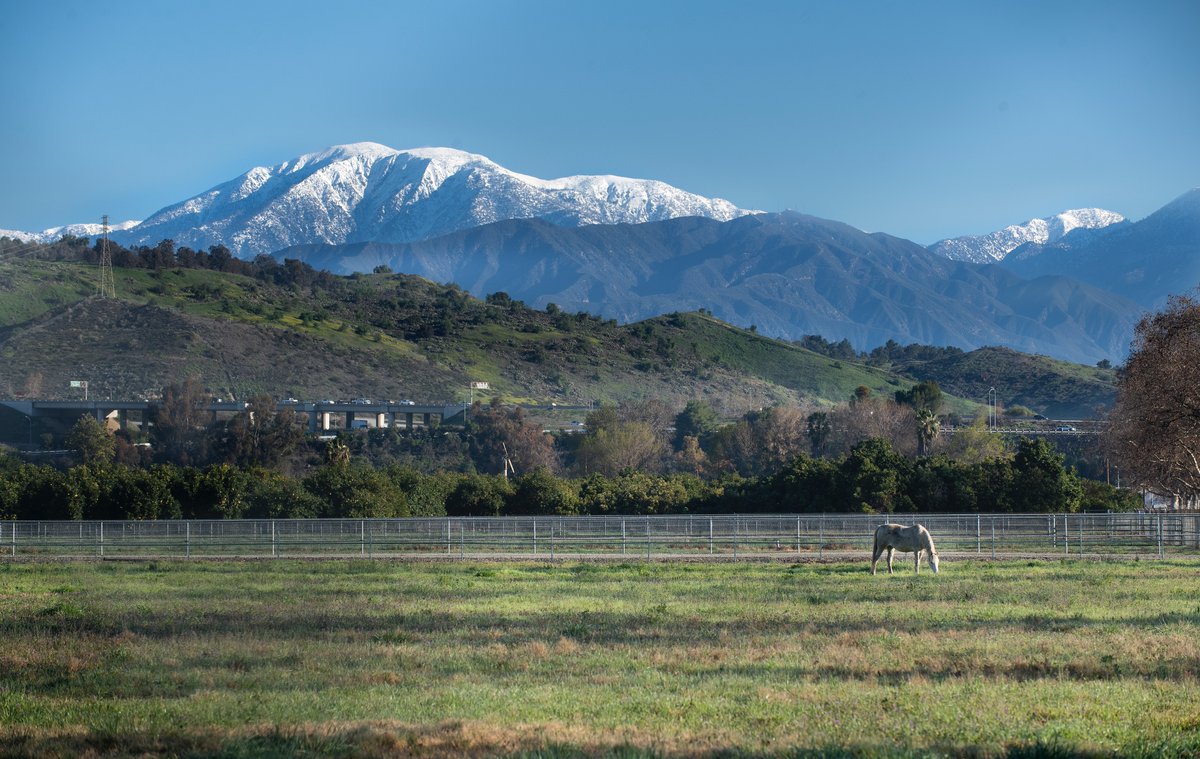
(779, 536)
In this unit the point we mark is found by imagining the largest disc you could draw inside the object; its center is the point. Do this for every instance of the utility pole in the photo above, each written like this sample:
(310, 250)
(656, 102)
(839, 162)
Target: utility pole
(108, 286)
(991, 399)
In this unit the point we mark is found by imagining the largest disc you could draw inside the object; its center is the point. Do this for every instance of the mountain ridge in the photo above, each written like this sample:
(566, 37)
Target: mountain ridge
(366, 191)
(997, 245)
(1145, 261)
(786, 274)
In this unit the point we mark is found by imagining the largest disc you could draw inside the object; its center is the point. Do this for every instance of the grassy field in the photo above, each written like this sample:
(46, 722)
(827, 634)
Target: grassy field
(1056, 659)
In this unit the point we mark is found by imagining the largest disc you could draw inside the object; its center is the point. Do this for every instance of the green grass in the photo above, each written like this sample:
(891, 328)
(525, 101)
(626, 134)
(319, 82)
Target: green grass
(1055, 659)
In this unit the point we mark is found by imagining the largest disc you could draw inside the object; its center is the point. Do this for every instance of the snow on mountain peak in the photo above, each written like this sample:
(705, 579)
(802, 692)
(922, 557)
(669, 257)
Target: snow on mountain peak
(997, 245)
(365, 191)
(54, 234)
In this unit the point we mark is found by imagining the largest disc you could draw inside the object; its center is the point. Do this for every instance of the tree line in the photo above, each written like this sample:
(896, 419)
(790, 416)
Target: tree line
(871, 478)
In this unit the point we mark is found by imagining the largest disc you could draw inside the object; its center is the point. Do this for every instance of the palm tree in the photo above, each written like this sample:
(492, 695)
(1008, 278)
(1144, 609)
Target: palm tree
(928, 427)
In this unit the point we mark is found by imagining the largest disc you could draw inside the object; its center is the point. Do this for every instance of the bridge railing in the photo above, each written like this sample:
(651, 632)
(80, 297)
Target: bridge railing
(725, 536)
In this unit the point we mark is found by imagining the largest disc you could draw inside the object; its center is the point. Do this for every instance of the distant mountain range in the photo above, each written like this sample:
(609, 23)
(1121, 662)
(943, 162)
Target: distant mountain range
(787, 274)
(366, 192)
(989, 248)
(1069, 285)
(1145, 261)
(53, 234)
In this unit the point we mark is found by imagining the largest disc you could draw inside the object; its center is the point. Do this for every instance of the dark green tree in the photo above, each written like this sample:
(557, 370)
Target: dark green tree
(479, 495)
(260, 436)
(91, 441)
(1040, 482)
(873, 478)
(698, 420)
(540, 492)
(819, 429)
(356, 491)
(922, 396)
(179, 423)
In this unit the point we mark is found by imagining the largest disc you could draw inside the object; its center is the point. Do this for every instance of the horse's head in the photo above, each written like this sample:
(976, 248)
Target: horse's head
(933, 561)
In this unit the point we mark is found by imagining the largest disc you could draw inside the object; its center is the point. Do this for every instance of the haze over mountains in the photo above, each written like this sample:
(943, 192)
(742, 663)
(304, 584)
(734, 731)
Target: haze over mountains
(1070, 285)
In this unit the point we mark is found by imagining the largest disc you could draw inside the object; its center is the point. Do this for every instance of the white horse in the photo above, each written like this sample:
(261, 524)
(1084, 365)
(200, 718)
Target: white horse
(896, 537)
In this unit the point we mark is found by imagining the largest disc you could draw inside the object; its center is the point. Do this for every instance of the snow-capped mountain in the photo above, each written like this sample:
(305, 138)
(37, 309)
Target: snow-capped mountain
(370, 192)
(78, 230)
(989, 248)
(1146, 261)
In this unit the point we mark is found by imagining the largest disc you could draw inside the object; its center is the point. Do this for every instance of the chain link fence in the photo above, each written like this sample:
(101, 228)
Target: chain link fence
(728, 537)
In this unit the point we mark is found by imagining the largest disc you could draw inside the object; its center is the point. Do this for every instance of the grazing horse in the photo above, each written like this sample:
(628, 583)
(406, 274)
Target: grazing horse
(895, 537)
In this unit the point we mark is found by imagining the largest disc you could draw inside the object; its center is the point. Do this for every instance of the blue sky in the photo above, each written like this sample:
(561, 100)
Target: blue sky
(922, 119)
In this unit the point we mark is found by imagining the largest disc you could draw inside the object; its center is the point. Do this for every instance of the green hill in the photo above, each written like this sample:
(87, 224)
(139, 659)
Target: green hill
(289, 331)
(311, 335)
(1057, 389)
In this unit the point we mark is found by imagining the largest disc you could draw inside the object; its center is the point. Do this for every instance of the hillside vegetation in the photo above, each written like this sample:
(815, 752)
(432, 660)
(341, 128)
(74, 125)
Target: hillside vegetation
(299, 333)
(245, 328)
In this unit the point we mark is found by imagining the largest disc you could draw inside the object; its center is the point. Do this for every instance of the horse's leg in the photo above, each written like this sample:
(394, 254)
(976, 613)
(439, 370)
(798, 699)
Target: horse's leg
(917, 560)
(890, 551)
(878, 549)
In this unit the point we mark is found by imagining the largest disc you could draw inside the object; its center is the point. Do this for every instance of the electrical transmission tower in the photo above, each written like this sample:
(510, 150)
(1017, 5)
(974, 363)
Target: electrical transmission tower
(108, 286)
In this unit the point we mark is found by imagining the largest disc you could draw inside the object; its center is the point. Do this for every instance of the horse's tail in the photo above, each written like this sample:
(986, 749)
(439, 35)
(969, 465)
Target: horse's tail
(875, 547)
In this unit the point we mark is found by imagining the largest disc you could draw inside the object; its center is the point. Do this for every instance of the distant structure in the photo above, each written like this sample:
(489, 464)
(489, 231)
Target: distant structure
(108, 286)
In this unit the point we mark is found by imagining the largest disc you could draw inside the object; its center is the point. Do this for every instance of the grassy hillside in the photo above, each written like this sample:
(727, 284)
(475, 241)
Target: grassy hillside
(294, 332)
(379, 336)
(1058, 389)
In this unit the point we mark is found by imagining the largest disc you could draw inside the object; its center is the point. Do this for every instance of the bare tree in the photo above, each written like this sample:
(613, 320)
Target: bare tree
(867, 418)
(765, 440)
(179, 423)
(1154, 428)
(623, 446)
(499, 433)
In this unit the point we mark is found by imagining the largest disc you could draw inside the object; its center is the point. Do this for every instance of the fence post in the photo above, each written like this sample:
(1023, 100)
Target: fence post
(821, 528)
(647, 518)
(993, 521)
(978, 538)
(1160, 535)
(1066, 536)
(535, 537)
(102, 537)
(622, 537)
(462, 539)
(274, 547)
(735, 536)
(710, 536)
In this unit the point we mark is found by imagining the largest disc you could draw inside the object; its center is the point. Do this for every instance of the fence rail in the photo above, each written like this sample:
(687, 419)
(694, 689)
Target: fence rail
(807, 536)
